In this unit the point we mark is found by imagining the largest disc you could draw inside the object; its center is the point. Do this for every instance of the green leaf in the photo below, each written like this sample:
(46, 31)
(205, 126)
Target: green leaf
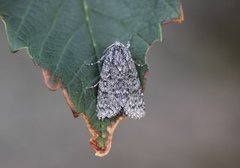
(62, 35)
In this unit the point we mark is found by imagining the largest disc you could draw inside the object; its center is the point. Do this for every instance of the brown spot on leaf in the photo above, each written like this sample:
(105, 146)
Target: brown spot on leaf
(47, 77)
(70, 103)
(93, 132)
(179, 19)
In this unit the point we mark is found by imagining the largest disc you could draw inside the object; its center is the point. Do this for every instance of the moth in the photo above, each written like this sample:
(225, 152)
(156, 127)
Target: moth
(119, 87)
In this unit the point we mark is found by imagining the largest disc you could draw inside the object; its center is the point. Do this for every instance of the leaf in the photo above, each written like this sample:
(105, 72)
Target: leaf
(62, 35)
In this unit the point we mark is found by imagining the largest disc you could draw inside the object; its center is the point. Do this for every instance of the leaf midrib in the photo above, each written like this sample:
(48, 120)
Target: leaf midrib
(90, 30)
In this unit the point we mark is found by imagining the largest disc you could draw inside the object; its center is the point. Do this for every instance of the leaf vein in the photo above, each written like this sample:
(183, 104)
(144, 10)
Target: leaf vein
(54, 20)
(170, 6)
(120, 22)
(65, 48)
(23, 19)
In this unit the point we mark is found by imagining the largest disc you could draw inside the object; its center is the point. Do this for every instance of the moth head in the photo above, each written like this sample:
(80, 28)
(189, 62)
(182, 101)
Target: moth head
(117, 43)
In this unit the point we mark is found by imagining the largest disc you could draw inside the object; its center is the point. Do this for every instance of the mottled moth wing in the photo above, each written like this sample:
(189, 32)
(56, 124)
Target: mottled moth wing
(107, 101)
(119, 89)
(135, 105)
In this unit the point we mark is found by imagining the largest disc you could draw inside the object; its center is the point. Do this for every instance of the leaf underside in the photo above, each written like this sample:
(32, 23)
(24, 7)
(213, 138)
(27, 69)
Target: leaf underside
(62, 36)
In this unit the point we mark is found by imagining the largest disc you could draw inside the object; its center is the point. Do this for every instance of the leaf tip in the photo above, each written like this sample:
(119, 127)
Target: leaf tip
(110, 129)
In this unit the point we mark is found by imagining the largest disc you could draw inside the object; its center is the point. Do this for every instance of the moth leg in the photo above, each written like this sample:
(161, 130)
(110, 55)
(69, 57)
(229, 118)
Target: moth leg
(90, 64)
(95, 81)
(99, 61)
(140, 65)
(93, 86)
(128, 44)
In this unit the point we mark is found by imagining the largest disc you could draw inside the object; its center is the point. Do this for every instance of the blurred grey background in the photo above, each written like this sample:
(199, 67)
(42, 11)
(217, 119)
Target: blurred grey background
(192, 98)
